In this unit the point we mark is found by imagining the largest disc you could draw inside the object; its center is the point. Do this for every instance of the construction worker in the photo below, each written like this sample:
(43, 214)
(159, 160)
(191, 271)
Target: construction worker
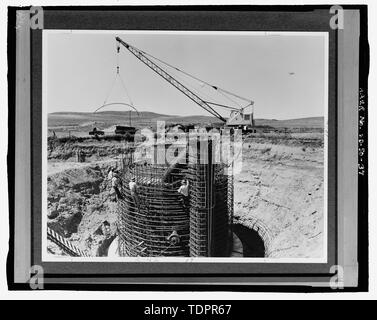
(110, 176)
(133, 190)
(115, 185)
(184, 191)
(108, 237)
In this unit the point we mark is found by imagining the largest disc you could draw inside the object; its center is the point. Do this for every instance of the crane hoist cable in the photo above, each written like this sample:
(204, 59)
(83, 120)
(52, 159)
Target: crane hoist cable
(197, 89)
(202, 93)
(174, 82)
(228, 98)
(209, 99)
(217, 88)
(116, 77)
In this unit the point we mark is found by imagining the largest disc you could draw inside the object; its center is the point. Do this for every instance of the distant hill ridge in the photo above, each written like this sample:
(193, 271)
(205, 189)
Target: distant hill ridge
(109, 118)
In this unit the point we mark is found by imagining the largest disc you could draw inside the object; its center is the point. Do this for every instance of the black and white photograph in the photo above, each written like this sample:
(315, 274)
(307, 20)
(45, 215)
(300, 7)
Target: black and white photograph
(188, 148)
(137, 126)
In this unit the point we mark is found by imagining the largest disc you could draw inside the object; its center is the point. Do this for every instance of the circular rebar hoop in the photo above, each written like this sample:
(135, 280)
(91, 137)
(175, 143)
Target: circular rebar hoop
(146, 222)
(117, 103)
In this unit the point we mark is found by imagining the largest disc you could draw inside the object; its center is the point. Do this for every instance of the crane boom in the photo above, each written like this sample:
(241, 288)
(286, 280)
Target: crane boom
(174, 82)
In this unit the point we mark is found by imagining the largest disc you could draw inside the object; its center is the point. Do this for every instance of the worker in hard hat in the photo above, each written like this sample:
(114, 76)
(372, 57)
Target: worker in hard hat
(115, 185)
(184, 192)
(134, 192)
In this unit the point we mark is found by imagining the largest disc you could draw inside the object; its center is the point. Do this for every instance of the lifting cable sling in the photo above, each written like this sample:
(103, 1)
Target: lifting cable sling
(117, 76)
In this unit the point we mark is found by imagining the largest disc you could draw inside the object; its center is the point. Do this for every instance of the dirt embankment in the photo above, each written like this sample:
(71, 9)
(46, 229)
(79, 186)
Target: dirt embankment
(92, 149)
(78, 192)
(281, 189)
(280, 192)
(78, 202)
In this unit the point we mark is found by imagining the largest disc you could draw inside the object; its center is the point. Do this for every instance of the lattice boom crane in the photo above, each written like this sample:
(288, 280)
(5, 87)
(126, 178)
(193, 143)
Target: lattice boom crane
(206, 105)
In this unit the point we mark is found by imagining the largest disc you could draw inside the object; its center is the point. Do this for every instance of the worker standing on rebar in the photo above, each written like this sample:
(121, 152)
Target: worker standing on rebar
(184, 191)
(134, 191)
(110, 176)
(115, 185)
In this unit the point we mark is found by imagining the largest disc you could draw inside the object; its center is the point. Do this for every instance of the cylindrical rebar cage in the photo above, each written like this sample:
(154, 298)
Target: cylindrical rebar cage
(152, 222)
(157, 220)
(209, 208)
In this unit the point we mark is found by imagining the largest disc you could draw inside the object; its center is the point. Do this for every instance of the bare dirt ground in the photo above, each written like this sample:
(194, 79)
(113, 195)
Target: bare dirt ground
(281, 189)
(79, 193)
(279, 192)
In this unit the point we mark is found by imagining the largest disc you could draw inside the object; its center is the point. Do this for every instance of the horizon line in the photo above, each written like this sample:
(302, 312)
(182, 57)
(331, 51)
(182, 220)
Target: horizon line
(175, 116)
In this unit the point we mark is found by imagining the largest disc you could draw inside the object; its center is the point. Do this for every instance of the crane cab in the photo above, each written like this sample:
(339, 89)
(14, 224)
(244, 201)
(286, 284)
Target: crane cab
(240, 120)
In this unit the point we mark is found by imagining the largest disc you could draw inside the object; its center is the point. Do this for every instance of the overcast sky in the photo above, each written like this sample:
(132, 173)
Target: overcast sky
(283, 74)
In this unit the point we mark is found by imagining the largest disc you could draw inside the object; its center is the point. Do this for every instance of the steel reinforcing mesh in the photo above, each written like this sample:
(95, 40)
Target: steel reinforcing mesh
(203, 226)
